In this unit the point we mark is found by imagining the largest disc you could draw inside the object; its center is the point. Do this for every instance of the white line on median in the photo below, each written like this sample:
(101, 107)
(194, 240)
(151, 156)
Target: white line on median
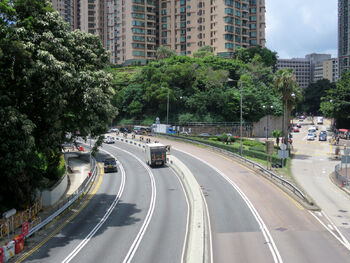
(268, 238)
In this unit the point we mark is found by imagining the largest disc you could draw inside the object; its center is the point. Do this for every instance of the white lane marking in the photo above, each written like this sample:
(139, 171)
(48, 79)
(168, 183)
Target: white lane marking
(346, 245)
(209, 229)
(330, 226)
(268, 238)
(187, 220)
(336, 229)
(104, 218)
(129, 256)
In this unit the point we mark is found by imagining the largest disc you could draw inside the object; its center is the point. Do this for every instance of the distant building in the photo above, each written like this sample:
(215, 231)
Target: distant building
(311, 68)
(301, 67)
(132, 30)
(330, 69)
(343, 36)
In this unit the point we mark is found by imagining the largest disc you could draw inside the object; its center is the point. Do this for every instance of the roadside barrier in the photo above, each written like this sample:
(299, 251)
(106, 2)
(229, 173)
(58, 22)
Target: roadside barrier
(19, 243)
(84, 188)
(17, 220)
(9, 251)
(287, 185)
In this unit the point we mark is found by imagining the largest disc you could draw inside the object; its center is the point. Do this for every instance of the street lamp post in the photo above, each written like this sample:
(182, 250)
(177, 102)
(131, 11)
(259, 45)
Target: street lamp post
(241, 117)
(167, 110)
(267, 121)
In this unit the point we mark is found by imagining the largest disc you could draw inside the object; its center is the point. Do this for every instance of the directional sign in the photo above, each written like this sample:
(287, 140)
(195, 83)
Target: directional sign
(283, 154)
(345, 159)
(283, 146)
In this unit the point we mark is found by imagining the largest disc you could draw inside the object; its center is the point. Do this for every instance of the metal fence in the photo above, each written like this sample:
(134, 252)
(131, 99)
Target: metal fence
(342, 174)
(12, 223)
(291, 187)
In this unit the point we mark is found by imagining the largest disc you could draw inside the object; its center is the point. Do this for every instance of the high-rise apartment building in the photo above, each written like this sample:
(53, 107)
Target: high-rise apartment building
(132, 30)
(343, 36)
(330, 69)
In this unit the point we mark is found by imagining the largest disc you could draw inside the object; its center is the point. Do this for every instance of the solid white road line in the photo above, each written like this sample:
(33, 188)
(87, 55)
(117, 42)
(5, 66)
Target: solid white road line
(187, 220)
(268, 238)
(101, 222)
(129, 256)
(345, 244)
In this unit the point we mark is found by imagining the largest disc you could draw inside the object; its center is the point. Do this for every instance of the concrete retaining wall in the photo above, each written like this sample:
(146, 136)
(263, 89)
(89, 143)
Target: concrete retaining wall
(51, 196)
(272, 123)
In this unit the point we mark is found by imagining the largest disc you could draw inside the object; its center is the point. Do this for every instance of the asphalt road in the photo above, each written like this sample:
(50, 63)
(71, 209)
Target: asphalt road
(311, 167)
(298, 235)
(160, 239)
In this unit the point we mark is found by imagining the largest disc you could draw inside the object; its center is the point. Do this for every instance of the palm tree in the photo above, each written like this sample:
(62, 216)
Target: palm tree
(289, 90)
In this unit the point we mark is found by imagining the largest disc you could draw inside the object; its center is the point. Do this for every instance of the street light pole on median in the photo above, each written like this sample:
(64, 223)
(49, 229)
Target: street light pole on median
(167, 110)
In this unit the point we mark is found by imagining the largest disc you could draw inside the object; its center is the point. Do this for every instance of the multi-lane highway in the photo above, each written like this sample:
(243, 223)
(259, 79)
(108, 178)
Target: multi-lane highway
(296, 234)
(141, 215)
(311, 167)
(136, 215)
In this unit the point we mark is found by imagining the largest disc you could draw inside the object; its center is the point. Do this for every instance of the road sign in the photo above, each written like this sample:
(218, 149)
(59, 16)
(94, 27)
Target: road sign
(25, 228)
(345, 159)
(346, 151)
(283, 146)
(283, 154)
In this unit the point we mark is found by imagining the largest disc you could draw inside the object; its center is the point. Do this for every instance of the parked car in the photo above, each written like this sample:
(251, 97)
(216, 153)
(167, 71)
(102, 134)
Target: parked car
(204, 134)
(296, 129)
(113, 130)
(322, 137)
(325, 132)
(315, 126)
(124, 130)
(310, 137)
(299, 125)
(110, 165)
(109, 140)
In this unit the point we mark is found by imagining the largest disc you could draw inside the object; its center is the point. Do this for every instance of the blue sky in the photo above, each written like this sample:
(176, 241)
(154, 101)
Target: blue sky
(295, 28)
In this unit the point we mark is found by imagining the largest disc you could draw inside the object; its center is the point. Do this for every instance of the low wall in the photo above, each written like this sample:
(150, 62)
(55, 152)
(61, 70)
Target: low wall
(268, 122)
(51, 196)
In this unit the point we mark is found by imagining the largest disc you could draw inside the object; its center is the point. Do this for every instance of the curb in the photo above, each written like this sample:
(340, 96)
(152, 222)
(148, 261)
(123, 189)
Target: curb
(331, 177)
(196, 241)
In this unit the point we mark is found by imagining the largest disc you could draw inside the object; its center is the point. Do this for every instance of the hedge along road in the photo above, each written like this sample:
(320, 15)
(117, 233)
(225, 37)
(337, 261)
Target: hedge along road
(298, 236)
(105, 230)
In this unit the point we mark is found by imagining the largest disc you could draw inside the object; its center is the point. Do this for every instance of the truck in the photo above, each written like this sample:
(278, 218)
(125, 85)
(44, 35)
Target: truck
(155, 154)
(319, 120)
(163, 128)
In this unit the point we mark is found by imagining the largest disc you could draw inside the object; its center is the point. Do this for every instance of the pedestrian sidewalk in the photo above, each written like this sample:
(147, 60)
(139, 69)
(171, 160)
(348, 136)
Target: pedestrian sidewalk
(78, 170)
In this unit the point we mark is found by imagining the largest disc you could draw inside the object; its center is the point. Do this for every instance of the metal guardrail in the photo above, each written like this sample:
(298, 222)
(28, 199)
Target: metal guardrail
(340, 177)
(296, 191)
(65, 203)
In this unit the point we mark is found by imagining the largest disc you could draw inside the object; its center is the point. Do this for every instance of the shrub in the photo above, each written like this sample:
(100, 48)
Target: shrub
(252, 143)
(223, 138)
(258, 148)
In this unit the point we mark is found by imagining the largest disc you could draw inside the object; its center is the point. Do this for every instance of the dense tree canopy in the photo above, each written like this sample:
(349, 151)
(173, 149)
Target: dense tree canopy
(336, 102)
(202, 88)
(52, 83)
(312, 96)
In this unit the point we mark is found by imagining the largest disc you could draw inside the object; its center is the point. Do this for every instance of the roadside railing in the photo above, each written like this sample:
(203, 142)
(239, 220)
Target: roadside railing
(291, 187)
(342, 172)
(66, 202)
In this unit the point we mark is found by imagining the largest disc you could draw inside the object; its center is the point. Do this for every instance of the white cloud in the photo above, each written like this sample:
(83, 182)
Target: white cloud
(295, 28)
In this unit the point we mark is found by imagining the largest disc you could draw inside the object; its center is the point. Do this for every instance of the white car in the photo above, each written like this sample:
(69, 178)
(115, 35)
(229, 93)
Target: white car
(310, 136)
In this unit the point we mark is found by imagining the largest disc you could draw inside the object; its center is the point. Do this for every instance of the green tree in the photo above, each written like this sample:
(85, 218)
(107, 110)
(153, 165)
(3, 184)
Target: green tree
(204, 52)
(286, 85)
(312, 96)
(164, 52)
(268, 57)
(336, 103)
(52, 83)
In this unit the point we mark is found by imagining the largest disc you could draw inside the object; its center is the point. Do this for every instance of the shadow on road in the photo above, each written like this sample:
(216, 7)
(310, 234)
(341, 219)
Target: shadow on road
(301, 157)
